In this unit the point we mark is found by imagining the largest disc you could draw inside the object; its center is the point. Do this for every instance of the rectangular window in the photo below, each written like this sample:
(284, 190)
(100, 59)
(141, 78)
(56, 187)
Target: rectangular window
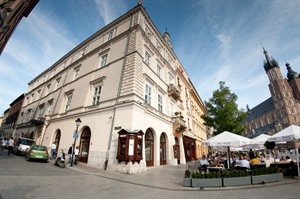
(76, 73)
(103, 60)
(68, 102)
(41, 111)
(187, 104)
(147, 58)
(160, 103)
(148, 94)
(96, 96)
(49, 109)
(158, 71)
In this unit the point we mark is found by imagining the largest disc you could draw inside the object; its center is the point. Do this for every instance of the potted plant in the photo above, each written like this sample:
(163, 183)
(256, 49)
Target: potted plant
(187, 181)
(264, 175)
(206, 179)
(236, 177)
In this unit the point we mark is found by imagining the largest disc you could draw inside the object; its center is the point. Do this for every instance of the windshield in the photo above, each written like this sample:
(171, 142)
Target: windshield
(27, 142)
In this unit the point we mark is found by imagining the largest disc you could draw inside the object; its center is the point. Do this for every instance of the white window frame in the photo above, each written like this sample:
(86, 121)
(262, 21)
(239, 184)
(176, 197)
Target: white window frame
(160, 102)
(41, 110)
(49, 107)
(97, 89)
(158, 70)
(68, 102)
(148, 93)
(103, 60)
(147, 58)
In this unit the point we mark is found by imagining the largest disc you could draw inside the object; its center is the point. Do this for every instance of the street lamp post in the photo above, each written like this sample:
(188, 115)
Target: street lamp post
(75, 136)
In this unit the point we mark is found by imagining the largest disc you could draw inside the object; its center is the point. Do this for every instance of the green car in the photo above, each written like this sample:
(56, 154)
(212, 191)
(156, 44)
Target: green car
(37, 152)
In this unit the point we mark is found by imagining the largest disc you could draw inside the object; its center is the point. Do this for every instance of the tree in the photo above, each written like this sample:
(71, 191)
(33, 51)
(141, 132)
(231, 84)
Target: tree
(222, 112)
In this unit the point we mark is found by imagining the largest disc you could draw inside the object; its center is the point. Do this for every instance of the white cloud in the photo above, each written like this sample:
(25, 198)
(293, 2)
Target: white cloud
(109, 11)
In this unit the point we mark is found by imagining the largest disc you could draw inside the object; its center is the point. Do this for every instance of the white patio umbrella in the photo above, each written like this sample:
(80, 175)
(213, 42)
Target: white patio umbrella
(261, 139)
(228, 139)
(291, 133)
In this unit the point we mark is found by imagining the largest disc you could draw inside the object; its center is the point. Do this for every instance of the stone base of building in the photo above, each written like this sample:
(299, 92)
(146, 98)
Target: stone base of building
(129, 168)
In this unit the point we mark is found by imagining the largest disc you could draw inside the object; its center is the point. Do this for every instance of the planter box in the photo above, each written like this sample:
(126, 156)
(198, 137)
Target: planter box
(235, 181)
(187, 182)
(260, 179)
(206, 182)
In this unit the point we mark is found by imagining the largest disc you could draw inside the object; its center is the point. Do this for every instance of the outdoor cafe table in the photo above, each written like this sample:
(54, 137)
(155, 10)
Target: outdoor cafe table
(212, 168)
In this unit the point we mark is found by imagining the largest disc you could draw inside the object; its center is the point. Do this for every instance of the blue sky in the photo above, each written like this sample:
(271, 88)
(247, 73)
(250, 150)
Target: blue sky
(215, 40)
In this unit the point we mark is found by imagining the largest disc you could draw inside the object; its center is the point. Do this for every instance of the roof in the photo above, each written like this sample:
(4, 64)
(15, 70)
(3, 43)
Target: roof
(261, 109)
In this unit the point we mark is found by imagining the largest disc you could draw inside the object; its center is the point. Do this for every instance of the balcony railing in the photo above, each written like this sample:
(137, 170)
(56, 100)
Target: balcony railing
(173, 91)
(38, 121)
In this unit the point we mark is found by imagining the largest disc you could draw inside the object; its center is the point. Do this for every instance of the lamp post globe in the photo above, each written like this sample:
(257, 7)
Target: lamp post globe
(78, 122)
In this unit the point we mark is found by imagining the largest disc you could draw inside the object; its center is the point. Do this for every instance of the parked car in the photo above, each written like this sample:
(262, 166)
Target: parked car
(21, 145)
(37, 152)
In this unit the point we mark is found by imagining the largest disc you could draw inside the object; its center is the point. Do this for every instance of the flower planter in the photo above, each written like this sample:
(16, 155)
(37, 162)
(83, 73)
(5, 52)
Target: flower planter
(206, 182)
(187, 182)
(235, 181)
(260, 179)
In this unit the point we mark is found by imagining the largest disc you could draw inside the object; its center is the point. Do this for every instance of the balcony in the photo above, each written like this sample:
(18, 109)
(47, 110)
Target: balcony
(179, 123)
(38, 121)
(173, 91)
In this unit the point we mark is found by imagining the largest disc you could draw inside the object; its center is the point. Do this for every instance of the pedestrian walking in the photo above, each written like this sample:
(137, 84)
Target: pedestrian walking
(11, 144)
(3, 144)
(53, 151)
(76, 153)
(70, 151)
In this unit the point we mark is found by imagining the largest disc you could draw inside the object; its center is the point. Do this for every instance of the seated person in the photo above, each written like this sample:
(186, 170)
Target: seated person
(203, 164)
(255, 160)
(288, 159)
(282, 159)
(242, 163)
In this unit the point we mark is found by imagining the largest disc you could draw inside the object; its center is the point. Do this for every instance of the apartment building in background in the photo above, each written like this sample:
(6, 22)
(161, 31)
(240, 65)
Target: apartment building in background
(125, 77)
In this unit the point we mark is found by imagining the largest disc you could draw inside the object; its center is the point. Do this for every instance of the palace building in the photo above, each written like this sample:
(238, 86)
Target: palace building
(124, 78)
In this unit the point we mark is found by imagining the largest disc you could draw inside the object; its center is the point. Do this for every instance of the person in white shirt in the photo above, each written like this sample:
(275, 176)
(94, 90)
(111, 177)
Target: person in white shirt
(203, 164)
(76, 153)
(242, 163)
(53, 150)
(11, 144)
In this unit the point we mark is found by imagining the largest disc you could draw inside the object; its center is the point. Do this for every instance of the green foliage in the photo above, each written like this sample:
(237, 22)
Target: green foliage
(222, 111)
(187, 174)
(236, 173)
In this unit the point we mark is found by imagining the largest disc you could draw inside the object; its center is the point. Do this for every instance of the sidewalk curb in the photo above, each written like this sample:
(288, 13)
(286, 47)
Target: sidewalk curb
(178, 187)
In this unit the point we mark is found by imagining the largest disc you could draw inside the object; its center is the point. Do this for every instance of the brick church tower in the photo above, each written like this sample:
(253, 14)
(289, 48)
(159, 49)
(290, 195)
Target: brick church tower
(282, 108)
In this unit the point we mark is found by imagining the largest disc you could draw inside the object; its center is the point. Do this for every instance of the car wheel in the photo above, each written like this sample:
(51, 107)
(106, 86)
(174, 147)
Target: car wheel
(18, 152)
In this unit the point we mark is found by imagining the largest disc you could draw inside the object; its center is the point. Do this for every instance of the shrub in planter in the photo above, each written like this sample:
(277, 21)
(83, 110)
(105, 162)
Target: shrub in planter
(187, 174)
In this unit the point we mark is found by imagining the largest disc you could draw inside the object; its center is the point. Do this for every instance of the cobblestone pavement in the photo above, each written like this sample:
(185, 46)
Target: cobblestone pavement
(22, 179)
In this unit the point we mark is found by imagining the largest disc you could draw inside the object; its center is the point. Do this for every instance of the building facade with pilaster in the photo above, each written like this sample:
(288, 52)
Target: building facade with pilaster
(122, 77)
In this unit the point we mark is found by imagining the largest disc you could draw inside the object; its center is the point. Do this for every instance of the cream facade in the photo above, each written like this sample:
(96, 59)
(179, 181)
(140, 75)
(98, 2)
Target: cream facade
(122, 77)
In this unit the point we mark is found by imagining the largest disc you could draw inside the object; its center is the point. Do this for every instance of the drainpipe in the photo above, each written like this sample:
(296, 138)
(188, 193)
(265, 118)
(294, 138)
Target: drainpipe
(118, 96)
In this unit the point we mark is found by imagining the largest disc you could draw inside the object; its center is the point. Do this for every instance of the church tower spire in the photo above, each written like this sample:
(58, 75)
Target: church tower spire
(269, 62)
